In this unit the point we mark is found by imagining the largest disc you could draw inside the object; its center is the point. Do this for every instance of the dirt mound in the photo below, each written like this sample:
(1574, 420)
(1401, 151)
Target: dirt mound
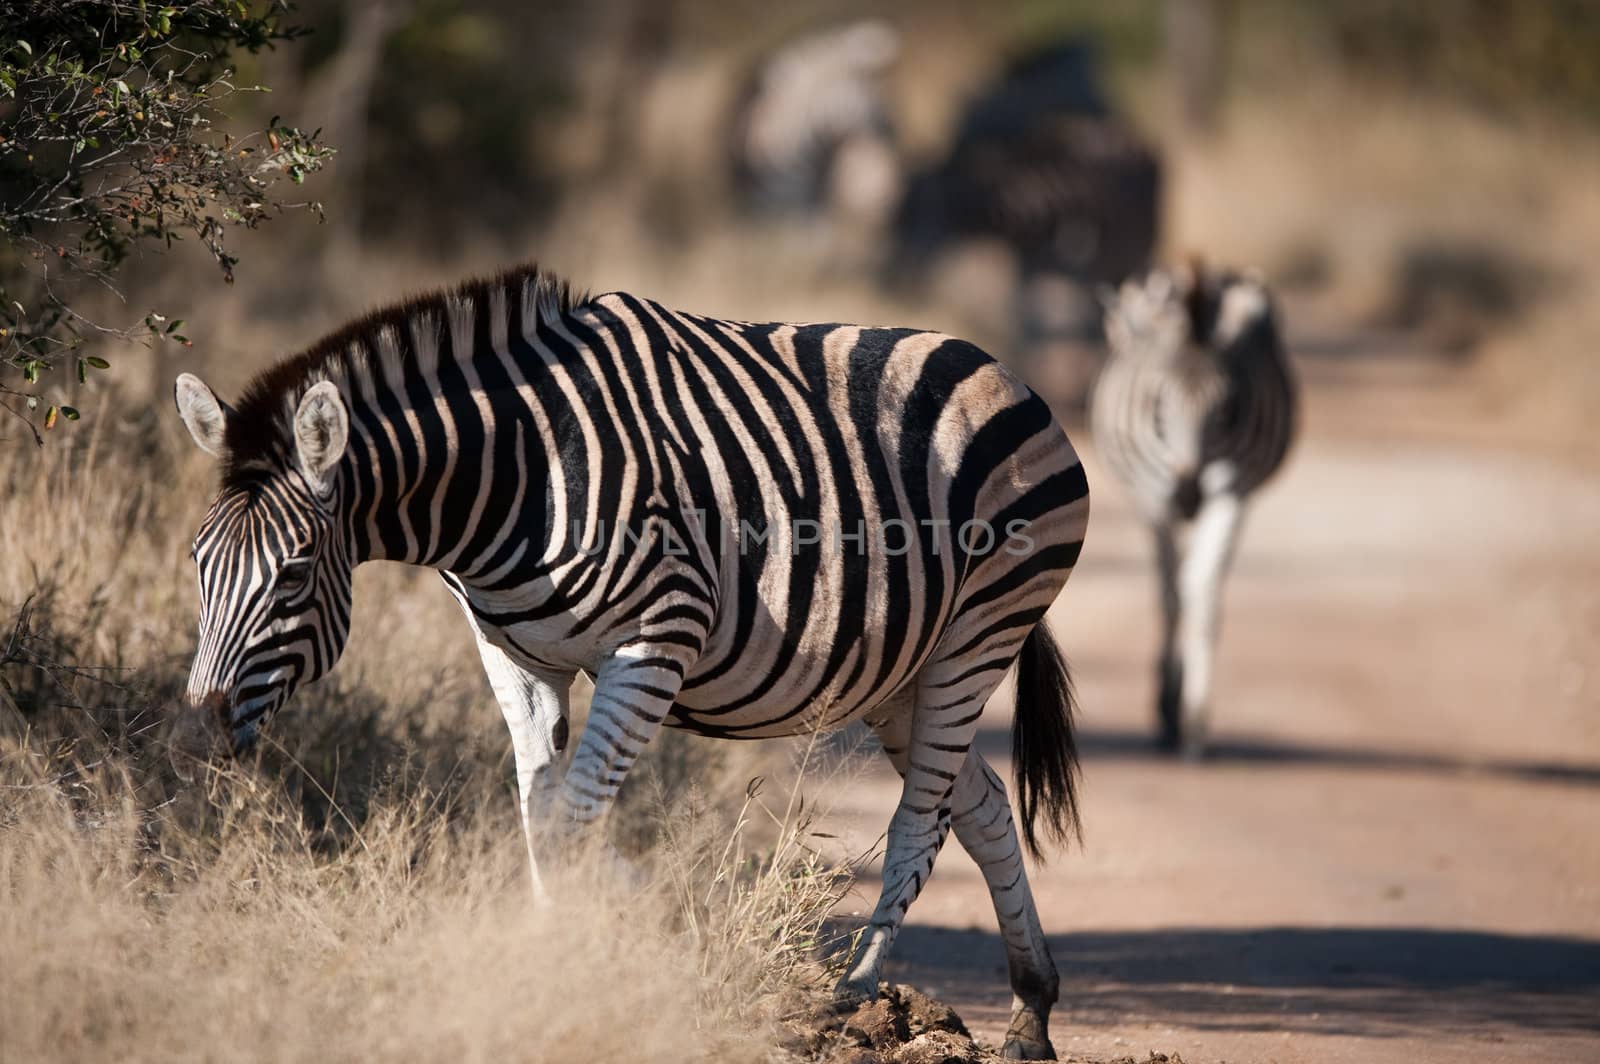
(904, 1026)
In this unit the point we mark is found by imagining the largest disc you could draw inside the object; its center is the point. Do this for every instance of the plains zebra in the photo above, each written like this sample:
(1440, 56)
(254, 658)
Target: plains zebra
(1041, 163)
(812, 127)
(738, 529)
(1194, 410)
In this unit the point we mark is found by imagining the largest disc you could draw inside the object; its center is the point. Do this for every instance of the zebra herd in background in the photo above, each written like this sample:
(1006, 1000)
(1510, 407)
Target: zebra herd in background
(1195, 405)
(747, 530)
(1038, 164)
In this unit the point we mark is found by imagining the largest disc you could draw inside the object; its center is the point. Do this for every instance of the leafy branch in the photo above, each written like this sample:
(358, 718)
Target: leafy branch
(112, 136)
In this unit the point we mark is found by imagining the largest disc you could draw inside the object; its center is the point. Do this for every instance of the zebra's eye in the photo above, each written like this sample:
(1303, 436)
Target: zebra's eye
(293, 577)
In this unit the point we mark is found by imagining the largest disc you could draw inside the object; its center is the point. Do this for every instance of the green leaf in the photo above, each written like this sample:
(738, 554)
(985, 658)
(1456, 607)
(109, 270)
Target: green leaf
(24, 45)
(83, 372)
(50, 419)
(70, 413)
(177, 323)
(97, 362)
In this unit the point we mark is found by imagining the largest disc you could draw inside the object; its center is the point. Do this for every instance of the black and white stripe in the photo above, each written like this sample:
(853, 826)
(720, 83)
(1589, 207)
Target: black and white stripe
(1195, 409)
(739, 529)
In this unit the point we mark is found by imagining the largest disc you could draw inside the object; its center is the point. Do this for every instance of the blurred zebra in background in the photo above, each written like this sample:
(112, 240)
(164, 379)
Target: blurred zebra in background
(1043, 168)
(813, 130)
(741, 530)
(1195, 409)
(1041, 162)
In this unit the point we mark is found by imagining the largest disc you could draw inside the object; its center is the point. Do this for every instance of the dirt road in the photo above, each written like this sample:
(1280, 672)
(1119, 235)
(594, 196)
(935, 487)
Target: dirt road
(1394, 853)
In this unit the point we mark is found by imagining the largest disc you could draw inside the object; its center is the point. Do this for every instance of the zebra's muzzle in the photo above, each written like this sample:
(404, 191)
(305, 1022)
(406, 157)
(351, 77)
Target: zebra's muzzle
(200, 733)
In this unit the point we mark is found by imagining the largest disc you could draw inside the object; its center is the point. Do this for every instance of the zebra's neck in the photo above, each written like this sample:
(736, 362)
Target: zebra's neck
(441, 470)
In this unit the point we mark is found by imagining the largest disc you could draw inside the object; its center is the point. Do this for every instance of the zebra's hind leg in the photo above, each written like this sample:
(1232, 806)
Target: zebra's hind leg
(916, 834)
(1205, 564)
(981, 817)
(950, 693)
(1169, 668)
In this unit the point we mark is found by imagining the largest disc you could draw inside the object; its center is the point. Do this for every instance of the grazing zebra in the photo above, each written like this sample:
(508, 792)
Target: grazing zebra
(1194, 410)
(812, 127)
(739, 529)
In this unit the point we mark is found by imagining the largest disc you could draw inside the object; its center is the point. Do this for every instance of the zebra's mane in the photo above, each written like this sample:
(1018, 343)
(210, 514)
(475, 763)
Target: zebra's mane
(260, 429)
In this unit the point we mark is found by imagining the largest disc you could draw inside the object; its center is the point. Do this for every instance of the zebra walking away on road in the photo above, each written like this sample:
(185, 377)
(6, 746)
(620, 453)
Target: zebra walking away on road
(743, 530)
(1194, 410)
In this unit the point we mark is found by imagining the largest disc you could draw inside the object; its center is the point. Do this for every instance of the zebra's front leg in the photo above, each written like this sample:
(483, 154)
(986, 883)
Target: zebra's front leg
(535, 706)
(1169, 668)
(1205, 564)
(633, 692)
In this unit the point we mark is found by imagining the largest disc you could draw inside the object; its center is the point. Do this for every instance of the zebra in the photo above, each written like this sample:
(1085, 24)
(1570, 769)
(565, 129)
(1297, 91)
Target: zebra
(1195, 408)
(738, 529)
(812, 127)
(1041, 162)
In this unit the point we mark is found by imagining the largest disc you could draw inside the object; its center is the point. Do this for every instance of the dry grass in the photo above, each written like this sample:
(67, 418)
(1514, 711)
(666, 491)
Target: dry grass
(236, 932)
(358, 890)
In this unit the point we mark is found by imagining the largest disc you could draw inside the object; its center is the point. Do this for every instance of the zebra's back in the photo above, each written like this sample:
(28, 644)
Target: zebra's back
(854, 491)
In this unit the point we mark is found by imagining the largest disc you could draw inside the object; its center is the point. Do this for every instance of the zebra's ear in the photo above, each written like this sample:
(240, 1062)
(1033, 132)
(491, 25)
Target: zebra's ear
(321, 430)
(203, 413)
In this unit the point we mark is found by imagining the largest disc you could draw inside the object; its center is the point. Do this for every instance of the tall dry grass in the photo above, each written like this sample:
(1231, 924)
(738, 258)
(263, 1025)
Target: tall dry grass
(358, 889)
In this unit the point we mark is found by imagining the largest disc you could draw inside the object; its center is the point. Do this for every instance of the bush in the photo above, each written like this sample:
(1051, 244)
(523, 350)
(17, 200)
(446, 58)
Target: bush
(111, 136)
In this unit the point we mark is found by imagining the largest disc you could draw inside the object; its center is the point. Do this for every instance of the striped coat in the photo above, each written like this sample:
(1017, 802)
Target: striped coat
(738, 529)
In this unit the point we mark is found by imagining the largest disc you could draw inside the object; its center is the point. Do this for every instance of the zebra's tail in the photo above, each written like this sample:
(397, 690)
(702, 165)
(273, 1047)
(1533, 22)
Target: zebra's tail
(1044, 754)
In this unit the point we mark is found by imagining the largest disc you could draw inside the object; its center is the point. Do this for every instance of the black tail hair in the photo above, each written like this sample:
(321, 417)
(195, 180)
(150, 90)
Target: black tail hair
(1044, 754)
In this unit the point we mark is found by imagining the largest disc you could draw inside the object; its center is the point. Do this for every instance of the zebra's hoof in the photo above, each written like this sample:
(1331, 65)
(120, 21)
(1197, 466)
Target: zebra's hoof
(851, 993)
(1027, 1049)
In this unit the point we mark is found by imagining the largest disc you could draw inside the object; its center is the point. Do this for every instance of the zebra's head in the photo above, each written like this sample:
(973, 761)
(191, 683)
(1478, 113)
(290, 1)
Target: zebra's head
(1188, 309)
(1148, 318)
(274, 564)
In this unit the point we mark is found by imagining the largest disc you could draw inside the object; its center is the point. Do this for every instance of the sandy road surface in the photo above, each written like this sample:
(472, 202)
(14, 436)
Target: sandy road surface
(1394, 854)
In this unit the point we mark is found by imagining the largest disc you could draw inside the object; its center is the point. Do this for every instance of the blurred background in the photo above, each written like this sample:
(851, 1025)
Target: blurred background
(1414, 178)
(1394, 852)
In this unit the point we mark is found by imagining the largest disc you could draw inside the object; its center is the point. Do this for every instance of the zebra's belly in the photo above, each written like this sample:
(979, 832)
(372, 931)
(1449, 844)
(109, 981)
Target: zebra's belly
(794, 688)
(780, 712)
